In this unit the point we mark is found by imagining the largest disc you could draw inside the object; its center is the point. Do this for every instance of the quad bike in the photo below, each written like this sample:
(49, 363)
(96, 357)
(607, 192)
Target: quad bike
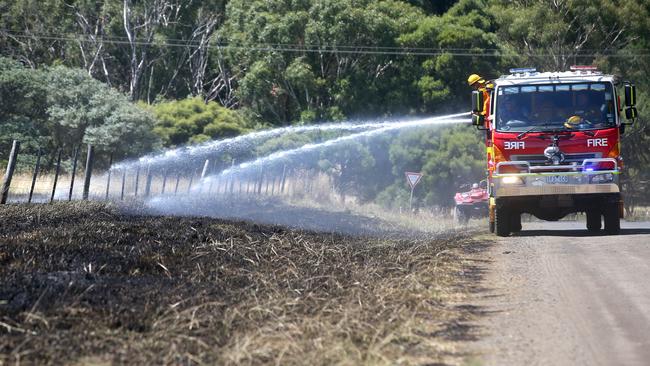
(473, 203)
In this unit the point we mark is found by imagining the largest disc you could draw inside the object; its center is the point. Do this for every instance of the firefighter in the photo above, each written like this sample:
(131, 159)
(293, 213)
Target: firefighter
(478, 83)
(586, 109)
(547, 112)
(587, 114)
(509, 112)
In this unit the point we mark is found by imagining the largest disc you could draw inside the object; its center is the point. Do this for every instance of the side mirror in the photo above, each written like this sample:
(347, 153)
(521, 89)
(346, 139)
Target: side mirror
(477, 101)
(631, 112)
(478, 120)
(630, 96)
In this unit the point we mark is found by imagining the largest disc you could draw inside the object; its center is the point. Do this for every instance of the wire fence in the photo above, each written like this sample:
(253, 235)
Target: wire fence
(38, 181)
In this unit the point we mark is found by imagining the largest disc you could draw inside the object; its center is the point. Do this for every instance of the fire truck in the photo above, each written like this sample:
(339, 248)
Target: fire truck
(553, 146)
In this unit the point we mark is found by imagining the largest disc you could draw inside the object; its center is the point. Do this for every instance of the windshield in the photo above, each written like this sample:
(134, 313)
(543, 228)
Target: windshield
(579, 106)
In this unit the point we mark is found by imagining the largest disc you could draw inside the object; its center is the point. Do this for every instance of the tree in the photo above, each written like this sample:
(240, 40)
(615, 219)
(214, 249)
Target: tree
(350, 165)
(81, 109)
(437, 7)
(448, 157)
(553, 35)
(61, 108)
(22, 108)
(324, 70)
(192, 120)
(467, 30)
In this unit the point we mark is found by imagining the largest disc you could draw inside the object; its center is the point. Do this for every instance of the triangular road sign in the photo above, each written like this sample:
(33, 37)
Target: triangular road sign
(413, 178)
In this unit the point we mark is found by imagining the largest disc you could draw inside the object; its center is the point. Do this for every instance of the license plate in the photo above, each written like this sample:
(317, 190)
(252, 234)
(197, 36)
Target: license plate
(557, 179)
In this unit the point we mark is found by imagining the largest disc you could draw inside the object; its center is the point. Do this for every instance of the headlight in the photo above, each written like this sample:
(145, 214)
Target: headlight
(512, 180)
(602, 178)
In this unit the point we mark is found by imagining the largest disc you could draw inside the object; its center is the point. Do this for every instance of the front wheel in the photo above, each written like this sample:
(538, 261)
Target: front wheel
(593, 221)
(515, 222)
(612, 219)
(459, 215)
(502, 221)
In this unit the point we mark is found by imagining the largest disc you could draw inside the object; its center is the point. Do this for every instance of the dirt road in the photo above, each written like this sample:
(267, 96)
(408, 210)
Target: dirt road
(557, 296)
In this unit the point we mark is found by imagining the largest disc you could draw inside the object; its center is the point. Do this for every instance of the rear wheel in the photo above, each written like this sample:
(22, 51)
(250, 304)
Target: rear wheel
(593, 221)
(612, 219)
(515, 222)
(502, 221)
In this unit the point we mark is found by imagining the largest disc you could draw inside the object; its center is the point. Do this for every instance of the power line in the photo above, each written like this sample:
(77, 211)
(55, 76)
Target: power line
(270, 47)
(331, 49)
(186, 42)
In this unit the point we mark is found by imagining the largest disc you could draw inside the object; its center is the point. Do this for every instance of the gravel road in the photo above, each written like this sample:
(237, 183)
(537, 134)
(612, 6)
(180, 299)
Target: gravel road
(557, 296)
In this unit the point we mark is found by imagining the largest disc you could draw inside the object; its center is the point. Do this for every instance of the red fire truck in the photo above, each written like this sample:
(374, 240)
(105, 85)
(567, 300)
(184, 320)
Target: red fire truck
(553, 146)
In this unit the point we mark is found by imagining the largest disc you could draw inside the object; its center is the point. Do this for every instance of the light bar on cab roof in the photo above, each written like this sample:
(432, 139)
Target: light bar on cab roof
(522, 70)
(583, 68)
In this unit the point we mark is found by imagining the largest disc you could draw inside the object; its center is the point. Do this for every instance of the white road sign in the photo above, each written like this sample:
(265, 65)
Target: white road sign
(413, 178)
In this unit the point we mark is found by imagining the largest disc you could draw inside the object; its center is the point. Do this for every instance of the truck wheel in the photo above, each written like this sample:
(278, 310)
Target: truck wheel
(515, 223)
(612, 219)
(502, 221)
(593, 221)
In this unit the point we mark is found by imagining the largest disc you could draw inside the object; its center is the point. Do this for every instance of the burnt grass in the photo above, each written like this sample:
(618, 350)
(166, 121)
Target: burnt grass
(85, 283)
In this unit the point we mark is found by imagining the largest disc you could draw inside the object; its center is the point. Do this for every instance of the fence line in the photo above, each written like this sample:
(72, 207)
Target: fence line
(125, 183)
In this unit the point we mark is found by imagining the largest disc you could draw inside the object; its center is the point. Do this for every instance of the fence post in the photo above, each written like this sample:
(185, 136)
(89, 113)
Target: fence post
(147, 187)
(108, 179)
(36, 170)
(211, 184)
(137, 179)
(266, 189)
(178, 179)
(11, 166)
(232, 177)
(123, 184)
(310, 185)
(189, 186)
(164, 182)
(284, 177)
(74, 171)
(259, 182)
(56, 175)
(90, 159)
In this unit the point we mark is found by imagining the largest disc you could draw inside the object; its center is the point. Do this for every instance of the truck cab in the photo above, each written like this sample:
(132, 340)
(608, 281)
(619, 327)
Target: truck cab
(553, 146)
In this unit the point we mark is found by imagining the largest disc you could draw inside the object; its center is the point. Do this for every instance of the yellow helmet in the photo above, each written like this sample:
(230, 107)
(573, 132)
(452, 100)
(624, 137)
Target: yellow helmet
(474, 78)
(573, 121)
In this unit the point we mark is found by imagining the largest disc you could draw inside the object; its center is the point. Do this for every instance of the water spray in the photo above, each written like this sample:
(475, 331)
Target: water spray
(280, 155)
(239, 142)
(231, 188)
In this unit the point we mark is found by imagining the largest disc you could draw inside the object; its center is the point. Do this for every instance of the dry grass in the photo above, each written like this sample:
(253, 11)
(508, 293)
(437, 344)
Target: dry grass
(84, 284)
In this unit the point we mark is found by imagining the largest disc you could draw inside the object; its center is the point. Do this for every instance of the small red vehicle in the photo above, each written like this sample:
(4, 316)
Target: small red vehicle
(473, 203)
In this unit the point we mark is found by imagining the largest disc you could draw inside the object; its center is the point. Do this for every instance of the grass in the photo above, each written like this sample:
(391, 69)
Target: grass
(85, 284)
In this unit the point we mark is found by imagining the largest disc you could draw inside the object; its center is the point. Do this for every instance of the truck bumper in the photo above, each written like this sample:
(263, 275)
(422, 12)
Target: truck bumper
(555, 189)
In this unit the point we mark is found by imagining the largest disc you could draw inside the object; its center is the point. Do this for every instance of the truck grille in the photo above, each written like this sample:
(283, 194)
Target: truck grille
(569, 158)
